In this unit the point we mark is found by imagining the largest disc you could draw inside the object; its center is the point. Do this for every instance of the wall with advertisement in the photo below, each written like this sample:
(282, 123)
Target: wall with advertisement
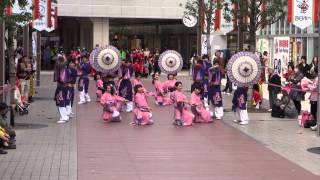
(281, 54)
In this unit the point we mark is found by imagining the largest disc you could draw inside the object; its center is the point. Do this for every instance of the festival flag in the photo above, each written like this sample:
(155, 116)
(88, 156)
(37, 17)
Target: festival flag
(303, 13)
(36, 9)
(55, 17)
(8, 10)
(49, 12)
(217, 16)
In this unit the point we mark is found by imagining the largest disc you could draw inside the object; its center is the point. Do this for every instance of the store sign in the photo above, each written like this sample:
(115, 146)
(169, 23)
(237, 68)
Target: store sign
(281, 54)
(303, 13)
(41, 23)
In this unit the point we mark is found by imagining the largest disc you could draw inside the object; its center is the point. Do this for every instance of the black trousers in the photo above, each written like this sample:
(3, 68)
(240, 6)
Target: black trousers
(297, 104)
(228, 86)
(313, 109)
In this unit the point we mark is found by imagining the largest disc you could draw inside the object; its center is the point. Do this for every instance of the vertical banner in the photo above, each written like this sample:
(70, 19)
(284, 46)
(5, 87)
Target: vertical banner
(281, 54)
(303, 13)
(34, 43)
(49, 13)
(36, 9)
(226, 26)
(51, 21)
(41, 23)
(204, 44)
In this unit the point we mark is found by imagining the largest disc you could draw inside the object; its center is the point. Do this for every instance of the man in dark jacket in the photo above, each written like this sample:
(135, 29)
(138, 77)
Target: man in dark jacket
(274, 87)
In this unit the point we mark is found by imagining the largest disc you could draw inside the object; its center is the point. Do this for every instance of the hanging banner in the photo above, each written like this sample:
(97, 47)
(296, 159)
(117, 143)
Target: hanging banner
(281, 54)
(226, 26)
(34, 44)
(42, 23)
(52, 25)
(303, 13)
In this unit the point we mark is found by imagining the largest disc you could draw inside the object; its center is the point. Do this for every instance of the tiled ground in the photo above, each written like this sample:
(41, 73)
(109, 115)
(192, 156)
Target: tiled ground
(49, 151)
(45, 150)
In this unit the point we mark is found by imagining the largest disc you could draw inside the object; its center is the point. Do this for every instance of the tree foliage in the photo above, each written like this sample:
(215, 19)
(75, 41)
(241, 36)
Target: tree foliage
(250, 15)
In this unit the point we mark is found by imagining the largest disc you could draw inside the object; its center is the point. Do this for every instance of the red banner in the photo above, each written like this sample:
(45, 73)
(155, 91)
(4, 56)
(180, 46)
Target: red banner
(316, 11)
(217, 16)
(55, 17)
(290, 10)
(8, 10)
(49, 11)
(36, 11)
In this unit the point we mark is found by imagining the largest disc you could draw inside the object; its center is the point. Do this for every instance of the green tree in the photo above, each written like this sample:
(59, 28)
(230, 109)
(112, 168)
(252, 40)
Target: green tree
(259, 13)
(11, 27)
(204, 11)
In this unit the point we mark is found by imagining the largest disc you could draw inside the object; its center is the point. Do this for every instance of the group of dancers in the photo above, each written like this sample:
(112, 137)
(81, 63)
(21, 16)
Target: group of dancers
(124, 94)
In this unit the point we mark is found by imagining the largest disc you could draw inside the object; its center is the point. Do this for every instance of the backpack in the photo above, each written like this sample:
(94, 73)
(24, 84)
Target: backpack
(306, 119)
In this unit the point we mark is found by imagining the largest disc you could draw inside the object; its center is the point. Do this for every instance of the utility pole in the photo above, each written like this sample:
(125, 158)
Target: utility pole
(2, 58)
(318, 102)
(38, 46)
(26, 42)
(200, 25)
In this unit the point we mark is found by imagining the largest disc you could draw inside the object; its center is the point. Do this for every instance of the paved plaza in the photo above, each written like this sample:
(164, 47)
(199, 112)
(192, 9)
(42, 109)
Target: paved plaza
(87, 148)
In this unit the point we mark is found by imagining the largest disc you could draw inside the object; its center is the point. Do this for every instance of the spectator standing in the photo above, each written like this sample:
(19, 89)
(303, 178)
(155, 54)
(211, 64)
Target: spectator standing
(295, 94)
(156, 61)
(304, 67)
(313, 87)
(274, 87)
(23, 73)
(313, 67)
(46, 57)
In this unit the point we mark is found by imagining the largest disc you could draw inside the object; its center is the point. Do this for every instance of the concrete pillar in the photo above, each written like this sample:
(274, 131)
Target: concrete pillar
(100, 31)
(26, 41)
(310, 49)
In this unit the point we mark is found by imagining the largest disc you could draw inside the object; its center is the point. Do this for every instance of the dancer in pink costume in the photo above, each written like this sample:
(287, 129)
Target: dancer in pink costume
(169, 86)
(111, 104)
(160, 96)
(183, 116)
(99, 86)
(137, 80)
(197, 107)
(142, 111)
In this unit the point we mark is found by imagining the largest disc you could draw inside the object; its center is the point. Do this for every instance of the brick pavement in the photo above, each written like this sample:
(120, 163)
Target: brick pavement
(162, 151)
(45, 150)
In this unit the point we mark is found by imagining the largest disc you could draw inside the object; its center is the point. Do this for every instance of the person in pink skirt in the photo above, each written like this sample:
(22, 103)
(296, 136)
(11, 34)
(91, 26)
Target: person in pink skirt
(111, 104)
(142, 111)
(169, 86)
(182, 115)
(99, 86)
(197, 107)
(160, 97)
(137, 80)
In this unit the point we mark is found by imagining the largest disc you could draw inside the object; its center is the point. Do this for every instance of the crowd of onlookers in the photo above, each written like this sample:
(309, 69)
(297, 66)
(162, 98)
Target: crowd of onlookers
(298, 83)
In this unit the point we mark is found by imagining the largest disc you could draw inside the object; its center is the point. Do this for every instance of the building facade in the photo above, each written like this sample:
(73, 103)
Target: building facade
(288, 41)
(126, 24)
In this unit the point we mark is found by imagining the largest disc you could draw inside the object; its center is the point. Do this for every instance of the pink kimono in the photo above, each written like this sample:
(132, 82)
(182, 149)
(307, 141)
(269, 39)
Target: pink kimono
(201, 114)
(168, 87)
(136, 82)
(111, 105)
(181, 112)
(99, 85)
(161, 98)
(142, 113)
